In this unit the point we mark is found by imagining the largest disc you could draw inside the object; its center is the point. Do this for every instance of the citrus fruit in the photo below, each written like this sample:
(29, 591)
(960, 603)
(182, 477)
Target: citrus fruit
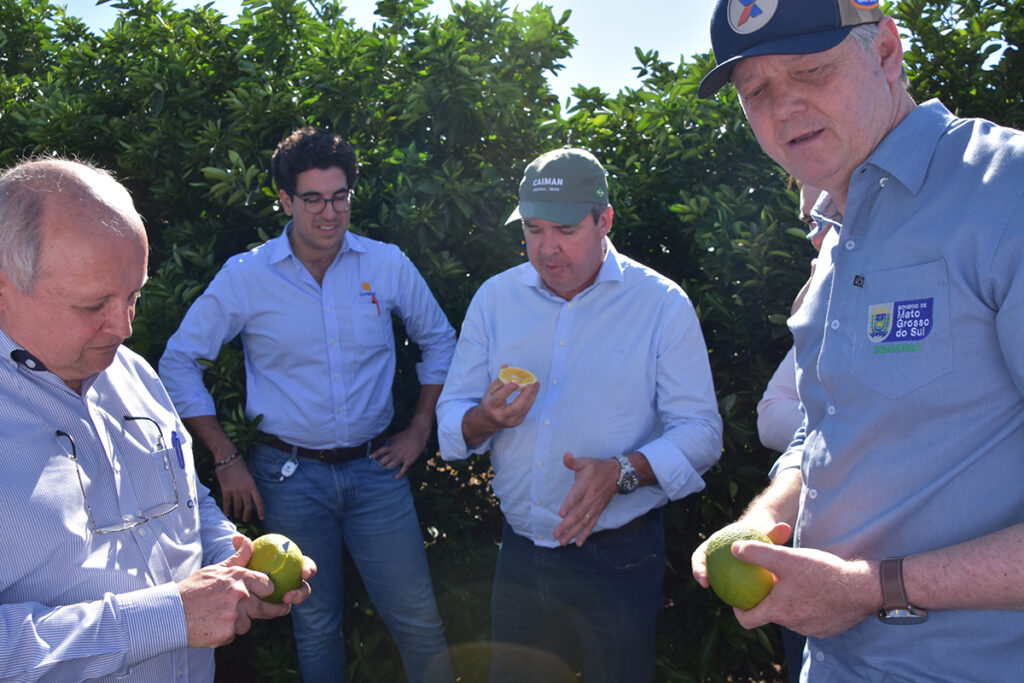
(738, 583)
(280, 559)
(517, 375)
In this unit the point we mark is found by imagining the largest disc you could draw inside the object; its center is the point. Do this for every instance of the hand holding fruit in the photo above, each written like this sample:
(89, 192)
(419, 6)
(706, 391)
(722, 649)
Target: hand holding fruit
(221, 600)
(495, 404)
(815, 593)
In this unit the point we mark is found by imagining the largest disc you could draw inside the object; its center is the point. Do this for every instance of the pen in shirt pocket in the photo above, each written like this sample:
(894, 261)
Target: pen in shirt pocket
(373, 297)
(176, 442)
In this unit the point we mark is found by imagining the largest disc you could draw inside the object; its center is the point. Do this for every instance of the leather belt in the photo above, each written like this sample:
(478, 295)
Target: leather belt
(332, 456)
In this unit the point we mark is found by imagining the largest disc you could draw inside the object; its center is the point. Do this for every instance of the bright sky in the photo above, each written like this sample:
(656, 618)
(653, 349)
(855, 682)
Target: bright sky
(607, 31)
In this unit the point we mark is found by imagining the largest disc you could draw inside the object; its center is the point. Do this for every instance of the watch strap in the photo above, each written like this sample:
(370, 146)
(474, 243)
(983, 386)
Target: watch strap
(894, 591)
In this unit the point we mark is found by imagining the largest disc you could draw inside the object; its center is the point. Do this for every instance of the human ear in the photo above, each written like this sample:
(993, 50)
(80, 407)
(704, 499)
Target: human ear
(890, 50)
(286, 201)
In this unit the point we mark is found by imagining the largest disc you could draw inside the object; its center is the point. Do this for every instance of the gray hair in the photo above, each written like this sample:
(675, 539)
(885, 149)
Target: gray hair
(866, 36)
(24, 190)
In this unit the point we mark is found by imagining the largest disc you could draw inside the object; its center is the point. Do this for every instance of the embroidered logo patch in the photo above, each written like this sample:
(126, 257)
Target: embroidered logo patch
(900, 321)
(747, 16)
(865, 4)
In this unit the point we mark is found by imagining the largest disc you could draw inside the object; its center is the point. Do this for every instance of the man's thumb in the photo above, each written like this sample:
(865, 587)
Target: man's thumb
(569, 461)
(243, 552)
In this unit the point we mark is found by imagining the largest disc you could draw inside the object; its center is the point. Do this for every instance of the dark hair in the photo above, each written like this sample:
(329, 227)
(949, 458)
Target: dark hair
(312, 147)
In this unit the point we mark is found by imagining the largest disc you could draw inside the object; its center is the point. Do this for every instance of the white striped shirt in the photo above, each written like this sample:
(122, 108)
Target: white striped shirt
(78, 605)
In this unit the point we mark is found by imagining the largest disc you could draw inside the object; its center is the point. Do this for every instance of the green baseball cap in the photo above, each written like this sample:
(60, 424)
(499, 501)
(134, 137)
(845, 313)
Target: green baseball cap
(561, 186)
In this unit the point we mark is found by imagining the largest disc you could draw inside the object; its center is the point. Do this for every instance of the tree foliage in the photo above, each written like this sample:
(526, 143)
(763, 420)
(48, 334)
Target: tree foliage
(186, 106)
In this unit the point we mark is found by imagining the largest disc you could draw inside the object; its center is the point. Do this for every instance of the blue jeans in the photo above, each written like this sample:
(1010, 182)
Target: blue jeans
(361, 507)
(599, 603)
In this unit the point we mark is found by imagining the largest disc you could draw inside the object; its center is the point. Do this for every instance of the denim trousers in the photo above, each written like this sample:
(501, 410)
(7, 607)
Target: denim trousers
(553, 607)
(358, 507)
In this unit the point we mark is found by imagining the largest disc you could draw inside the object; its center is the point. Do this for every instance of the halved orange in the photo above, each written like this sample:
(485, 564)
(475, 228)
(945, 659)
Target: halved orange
(517, 375)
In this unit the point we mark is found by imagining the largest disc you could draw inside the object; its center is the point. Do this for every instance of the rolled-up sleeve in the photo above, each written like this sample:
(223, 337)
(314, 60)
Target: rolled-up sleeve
(692, 440)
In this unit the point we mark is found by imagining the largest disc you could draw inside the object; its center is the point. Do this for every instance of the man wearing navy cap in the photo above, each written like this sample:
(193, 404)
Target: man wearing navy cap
(902, 488)
(622, 419)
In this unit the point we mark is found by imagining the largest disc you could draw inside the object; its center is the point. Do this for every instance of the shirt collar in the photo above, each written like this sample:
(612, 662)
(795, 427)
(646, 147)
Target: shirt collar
(610, 271)
(18, 355)
(281, 248)
(906, 152)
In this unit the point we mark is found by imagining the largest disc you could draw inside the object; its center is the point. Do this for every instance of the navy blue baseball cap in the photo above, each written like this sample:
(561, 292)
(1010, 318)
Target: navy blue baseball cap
(749, 28)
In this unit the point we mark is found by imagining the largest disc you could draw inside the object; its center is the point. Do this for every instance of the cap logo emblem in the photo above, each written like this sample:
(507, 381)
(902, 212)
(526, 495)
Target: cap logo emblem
(748, 16)
(865, 4)
(538, 182)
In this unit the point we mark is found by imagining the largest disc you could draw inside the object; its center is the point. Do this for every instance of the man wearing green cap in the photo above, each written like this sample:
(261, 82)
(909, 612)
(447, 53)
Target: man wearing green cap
(902, 487)
(621, 420)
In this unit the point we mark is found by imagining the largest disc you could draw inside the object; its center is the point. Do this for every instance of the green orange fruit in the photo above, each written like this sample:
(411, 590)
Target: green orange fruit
(737, 583)
(279, 558)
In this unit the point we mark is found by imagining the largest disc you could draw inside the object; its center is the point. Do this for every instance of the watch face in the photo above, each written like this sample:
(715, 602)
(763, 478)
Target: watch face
(904, 616)
(628, 481)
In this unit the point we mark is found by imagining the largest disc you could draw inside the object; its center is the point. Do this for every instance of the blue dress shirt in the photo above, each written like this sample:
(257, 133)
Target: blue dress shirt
(319, 360)
(75, 604)
(911, 373)
(622, 367)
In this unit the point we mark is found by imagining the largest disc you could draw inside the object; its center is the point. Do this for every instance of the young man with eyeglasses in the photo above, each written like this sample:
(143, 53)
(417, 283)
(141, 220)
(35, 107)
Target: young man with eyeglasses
(116, 562)
(313, 308)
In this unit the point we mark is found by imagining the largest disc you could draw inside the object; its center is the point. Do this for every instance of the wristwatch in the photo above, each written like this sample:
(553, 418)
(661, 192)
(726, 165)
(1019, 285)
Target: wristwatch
(896, 607)
(628, 478)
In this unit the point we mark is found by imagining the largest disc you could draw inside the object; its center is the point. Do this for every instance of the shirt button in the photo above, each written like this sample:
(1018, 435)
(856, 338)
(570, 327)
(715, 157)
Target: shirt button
(537, 503)
(882, 181)
(142, 530)
(569, 304)
(850, 245)
(812, 494)
(540, 463)
(831, 410)
(561, 343)
(835, 325)
(554, 381)
(547, 422)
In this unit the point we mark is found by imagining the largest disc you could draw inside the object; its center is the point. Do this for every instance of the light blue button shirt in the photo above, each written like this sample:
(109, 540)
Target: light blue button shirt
(622, 368)
(319, 360)
(74, 604)
(910, 368)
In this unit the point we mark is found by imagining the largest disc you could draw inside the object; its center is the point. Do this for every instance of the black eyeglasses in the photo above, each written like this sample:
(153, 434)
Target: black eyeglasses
(128, 521)
(341, 203)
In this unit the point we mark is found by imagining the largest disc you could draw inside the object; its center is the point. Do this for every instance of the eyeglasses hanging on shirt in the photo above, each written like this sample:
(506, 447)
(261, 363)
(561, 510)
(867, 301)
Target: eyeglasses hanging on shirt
(160, 462)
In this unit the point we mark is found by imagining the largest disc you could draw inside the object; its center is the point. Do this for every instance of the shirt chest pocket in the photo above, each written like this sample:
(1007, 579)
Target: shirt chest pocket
(904, 341)
(371, 324)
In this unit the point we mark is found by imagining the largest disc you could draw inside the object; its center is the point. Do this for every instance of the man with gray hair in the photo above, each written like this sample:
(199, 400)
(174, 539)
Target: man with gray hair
(902, 487)
(116, 561)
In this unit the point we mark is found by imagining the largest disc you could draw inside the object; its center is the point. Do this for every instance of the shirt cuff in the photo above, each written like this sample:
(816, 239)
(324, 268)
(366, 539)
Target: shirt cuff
(788, 460)
(449, 434)
(673, 471)
(155, 619)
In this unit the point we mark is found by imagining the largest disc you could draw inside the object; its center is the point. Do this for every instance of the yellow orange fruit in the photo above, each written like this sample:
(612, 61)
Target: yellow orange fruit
(517, 375)
(738, 583)
(279, 558)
